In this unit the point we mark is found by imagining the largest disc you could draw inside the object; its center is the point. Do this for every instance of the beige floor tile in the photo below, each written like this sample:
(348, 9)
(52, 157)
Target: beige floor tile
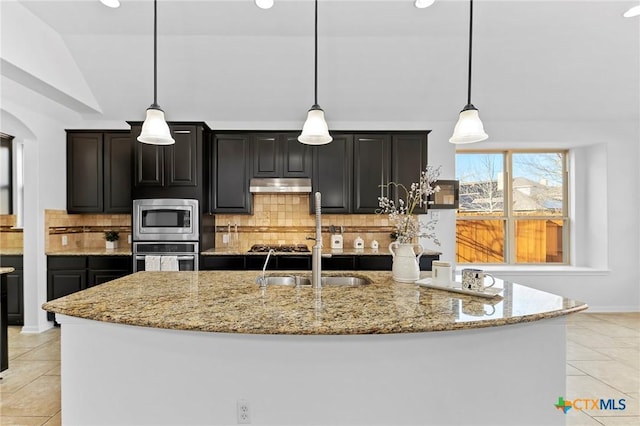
(611, 329)
(21, 373)
(56, 420)
(572, 371)
(615, 374)
(49, 351)
(629, 319)
(39, 398)
(579, 418)
(590, 339)
(578, 352)
(627, 356)
(23, 421)
(16, 351)
(55, 371)
(18, 339)
(618, 421)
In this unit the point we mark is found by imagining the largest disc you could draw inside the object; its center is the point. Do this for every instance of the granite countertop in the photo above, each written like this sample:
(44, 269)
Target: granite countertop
(95, 251)
(382, 251)
(6, 270)
(11, 251)
(232, 302)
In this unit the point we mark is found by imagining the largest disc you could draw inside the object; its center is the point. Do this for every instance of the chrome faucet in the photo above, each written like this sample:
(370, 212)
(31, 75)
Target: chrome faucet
(263, 283)
(316, 251)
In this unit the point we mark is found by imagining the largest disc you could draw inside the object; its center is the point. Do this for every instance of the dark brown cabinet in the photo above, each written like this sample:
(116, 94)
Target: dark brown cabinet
(171, 171)
(371, 170)
(15, 289)
(277, 155)
(230, 164)
(70, 274)
(332, 174)
(408, 160)
(98, 171)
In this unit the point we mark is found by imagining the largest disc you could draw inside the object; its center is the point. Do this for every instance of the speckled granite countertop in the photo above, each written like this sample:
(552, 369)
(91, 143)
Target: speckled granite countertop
(232, 302)
(6, 270)
(91, 252)
(9, 251)
(346, 251)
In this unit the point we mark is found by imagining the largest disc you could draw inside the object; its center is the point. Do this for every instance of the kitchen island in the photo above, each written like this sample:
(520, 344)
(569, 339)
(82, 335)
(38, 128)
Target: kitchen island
(186, 347)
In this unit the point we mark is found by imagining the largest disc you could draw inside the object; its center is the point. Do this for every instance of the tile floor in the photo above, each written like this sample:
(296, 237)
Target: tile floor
(603, 361)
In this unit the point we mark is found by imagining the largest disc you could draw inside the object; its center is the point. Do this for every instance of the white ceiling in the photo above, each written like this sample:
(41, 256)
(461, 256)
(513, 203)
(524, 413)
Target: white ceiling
(379, 61)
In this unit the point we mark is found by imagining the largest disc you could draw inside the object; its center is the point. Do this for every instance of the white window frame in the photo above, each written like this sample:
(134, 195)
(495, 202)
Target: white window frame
(509, 218)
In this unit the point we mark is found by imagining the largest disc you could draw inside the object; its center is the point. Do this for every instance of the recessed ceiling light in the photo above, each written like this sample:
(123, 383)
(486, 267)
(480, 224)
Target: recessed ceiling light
(264, 4)
(111, 3)
(634, 11)
(421, 4)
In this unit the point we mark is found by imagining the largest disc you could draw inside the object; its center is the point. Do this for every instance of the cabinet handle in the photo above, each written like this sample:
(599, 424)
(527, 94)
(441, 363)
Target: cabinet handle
(182, 131)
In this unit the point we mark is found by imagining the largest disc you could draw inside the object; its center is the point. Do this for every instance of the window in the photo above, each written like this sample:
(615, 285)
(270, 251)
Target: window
(513, 207)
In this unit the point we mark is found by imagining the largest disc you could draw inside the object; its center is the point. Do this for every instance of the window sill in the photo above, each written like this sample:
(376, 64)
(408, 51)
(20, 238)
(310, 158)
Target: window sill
(537, 269)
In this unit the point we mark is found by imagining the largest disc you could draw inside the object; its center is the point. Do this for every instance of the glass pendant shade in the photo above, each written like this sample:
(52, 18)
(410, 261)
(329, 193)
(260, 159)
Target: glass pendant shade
(469, 128)
(315, 130)
(155, 130)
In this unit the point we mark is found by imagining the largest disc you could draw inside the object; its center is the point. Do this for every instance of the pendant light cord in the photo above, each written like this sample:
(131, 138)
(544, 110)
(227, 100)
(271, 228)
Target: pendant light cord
(470, 47)
(155, 53)
(316, 57)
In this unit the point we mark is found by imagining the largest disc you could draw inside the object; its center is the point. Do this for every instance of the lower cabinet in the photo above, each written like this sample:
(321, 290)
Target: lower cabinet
(255, 262)
(15, 289)
(69, 274)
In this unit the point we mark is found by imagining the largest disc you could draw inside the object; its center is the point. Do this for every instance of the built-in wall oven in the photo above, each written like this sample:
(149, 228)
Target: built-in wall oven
(165, 234)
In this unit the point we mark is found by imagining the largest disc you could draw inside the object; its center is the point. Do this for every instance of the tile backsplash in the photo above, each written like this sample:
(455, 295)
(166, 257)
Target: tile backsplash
(285, 219)
(83, 230)
(10, 236)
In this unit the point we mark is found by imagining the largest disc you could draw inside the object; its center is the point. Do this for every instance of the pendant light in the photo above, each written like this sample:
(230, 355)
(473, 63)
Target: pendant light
(155, 130)
(469, 128)
(315, 130)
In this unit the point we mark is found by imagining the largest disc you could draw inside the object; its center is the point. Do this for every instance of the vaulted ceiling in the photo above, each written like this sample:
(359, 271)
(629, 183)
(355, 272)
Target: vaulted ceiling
(229, 62)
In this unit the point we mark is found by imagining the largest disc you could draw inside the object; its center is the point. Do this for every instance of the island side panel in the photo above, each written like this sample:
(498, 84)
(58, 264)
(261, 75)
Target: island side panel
(117, 374)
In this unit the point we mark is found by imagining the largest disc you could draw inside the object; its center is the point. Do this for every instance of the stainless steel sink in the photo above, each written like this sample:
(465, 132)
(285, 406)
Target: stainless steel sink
(296, 280)
(344, 281)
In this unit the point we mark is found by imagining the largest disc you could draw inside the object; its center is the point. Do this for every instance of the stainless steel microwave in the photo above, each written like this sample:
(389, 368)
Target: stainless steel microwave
(165, 219)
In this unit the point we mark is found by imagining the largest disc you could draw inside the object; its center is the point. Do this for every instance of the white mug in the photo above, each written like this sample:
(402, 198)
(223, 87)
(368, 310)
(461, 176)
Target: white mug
(473, 279)
(441, 273)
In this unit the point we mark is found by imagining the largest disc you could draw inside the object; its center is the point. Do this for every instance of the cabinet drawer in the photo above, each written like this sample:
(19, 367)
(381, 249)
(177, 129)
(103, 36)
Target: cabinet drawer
(110, 262)
(12, 261)
(375, 263)
(290, 263)
(339, 263)
(66, 262)
(221, 263)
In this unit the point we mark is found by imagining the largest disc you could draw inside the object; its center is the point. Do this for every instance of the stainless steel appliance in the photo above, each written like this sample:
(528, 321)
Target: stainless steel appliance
(282, 248)
(165, 234)
(185, 254)
(165, 219)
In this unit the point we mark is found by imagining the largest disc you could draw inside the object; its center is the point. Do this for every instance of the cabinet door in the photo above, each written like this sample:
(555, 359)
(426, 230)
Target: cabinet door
(409, 158)
(371, 170)
(148, 161)
(117, 173)
(15, 302)
(64, 282)
(181, 158)
(374, 262)
(230, 165)
(214, 263)
(84, 172)
(296, 157)
(267, 156)
(332, 169)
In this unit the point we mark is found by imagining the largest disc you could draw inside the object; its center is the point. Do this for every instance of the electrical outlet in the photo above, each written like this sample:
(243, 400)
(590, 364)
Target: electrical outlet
(65, 240)
(243, 412)
(129, 238)
(225, 238)
(435, 215)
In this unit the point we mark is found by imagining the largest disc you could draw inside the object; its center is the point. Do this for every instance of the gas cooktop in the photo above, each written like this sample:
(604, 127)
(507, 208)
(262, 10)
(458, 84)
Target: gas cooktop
(282, 248)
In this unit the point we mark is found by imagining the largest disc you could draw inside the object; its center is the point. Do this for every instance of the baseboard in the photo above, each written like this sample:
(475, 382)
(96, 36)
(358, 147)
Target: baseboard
(35, 329)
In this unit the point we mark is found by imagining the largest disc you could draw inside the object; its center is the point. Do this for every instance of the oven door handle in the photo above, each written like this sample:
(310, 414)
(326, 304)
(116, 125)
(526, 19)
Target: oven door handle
(183, 257)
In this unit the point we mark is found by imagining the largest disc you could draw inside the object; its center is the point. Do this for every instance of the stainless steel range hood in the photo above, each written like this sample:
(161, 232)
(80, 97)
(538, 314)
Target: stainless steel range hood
(280, 185)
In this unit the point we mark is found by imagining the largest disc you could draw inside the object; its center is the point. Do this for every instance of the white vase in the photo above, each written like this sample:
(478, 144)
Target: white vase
(111, 245)
(405, 268)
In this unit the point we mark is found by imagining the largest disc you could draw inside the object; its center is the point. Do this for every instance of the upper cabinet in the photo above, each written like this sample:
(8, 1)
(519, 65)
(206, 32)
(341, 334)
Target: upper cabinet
(230, 164)
(408, 160)
(171, 171)
(277, 155)
(371, 170)
(98, 171)
(332, 174)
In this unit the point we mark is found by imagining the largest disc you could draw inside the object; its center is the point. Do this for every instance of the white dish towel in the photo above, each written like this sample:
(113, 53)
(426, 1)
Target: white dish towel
(169, 263)
(152, 263)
